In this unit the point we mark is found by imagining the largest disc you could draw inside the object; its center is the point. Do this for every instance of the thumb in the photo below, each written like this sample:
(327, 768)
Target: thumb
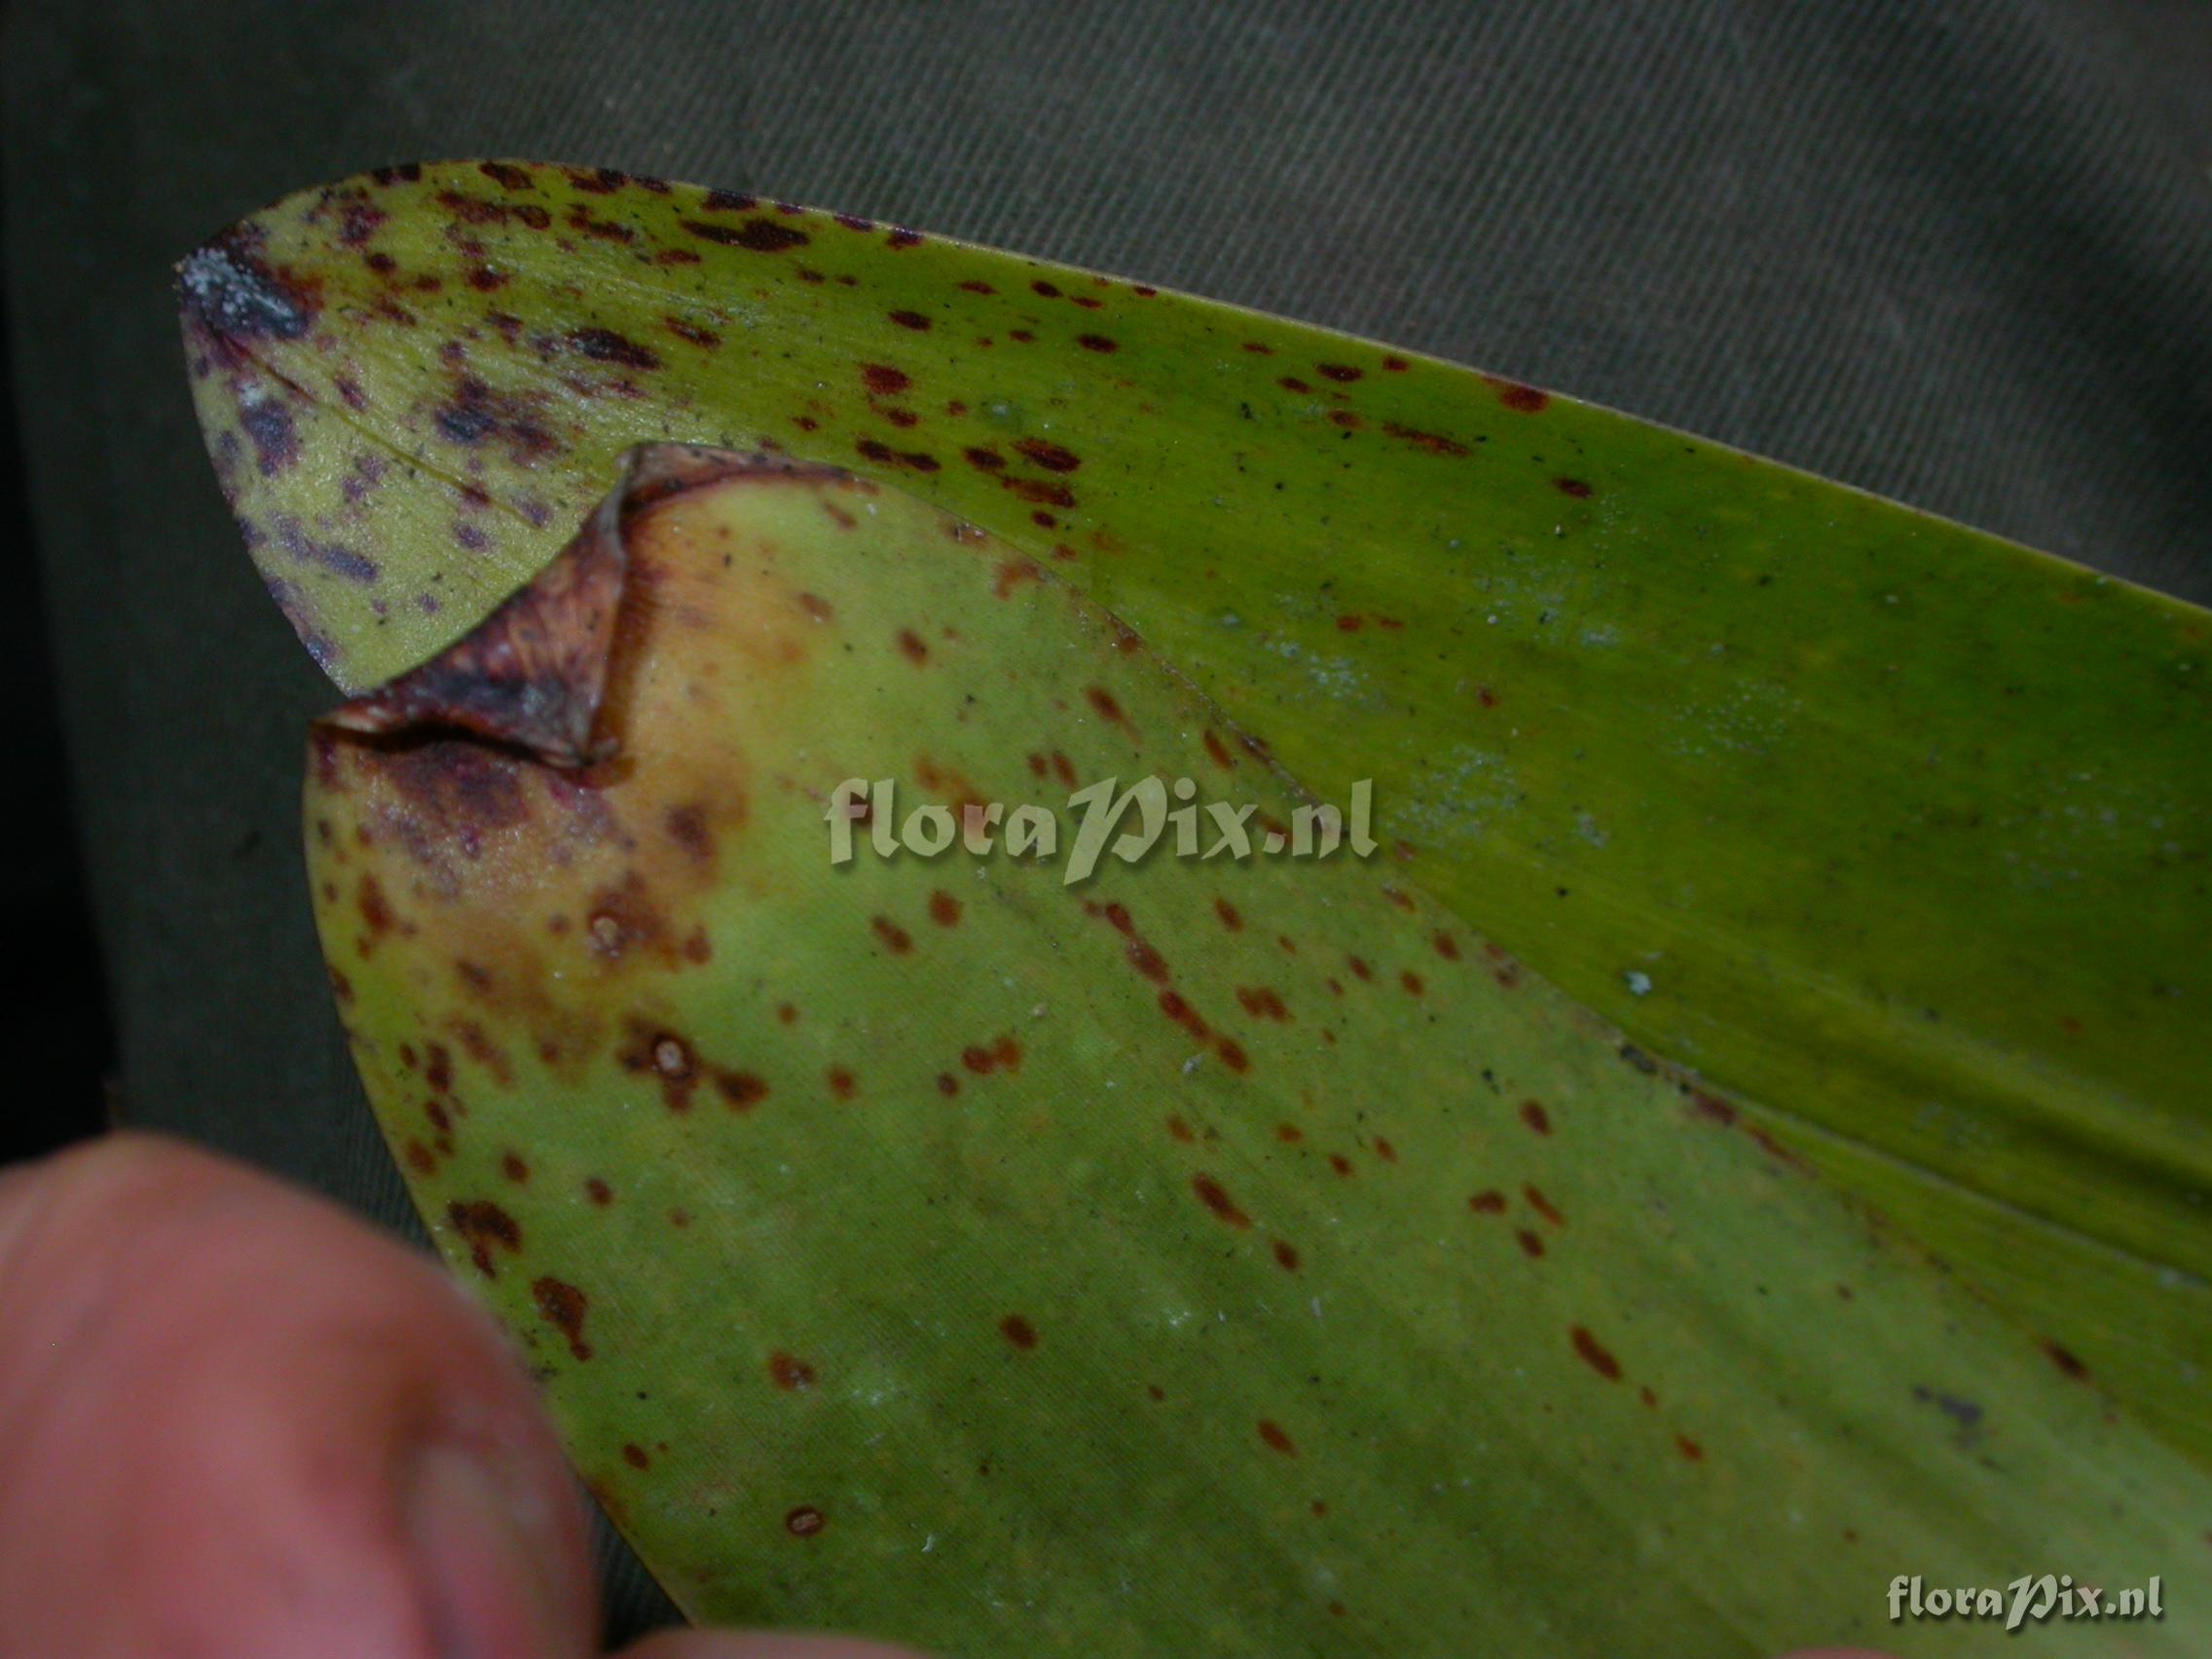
(234, 1421)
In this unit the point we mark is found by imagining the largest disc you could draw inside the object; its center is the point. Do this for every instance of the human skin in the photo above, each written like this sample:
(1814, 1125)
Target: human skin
(236, 1421)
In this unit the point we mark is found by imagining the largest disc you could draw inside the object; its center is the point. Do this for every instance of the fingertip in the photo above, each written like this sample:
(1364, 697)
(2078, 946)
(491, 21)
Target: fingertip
(215, 1407)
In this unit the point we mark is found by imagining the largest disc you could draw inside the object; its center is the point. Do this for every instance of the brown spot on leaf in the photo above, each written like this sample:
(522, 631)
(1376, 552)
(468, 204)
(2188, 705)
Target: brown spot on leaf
(1052, 457)
(605, 345)
(1272, 1433)
(1436, 443)
(1216, 1199)
(484, 1227)
(740, 1090)
(1018, 1331)
(563, 1306)
(1594, 1354)
(789, 1372)
(756, 235)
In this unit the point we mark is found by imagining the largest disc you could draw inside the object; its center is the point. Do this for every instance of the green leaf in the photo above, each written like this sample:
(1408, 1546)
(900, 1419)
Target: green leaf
(1894, 832)
(1213, 1256)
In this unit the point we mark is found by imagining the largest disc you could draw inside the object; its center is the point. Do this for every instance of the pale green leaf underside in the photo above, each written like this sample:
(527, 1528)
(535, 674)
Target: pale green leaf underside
(1215, 1258)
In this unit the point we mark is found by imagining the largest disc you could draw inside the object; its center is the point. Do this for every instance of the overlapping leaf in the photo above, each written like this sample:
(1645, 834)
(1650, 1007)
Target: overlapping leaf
(1216, 1256)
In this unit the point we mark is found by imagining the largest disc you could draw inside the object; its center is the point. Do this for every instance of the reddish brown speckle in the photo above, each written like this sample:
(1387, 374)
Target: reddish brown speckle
(1175, 1007)
(805, 1522)
(1489, 1201)
(1232, 1056)
(1286, 1256)
(1227, 914)
(883, 380)
(1052, 457)
(484, 1225)
(756, 235)
(1098, 343)
(1436, 443)
(1712, 1107)
(1216, 1199)
(635, 1456)
(1574, 486)
(913, 320)
(1446, 947)
(2067, 1361)
(945, 909)
(1523, 399)
(605, 345)
(790, 1372)
(1535, 1117)
(599, 1192)
(1594, 1354)
(1018, 1331)
(1340, 1164)
(1689, 1449)
(741, 1091)
(1341, 372)
(563, 1306)
(1413, 983)
(1262, 1002)
(1529, 1242)
(896, 939)
(1271, 1432)
(512, 1166)
(911, 644)
(841, 1080)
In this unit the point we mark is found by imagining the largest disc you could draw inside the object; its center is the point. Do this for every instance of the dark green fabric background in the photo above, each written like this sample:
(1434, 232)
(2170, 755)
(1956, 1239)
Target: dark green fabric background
(1959, 254)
